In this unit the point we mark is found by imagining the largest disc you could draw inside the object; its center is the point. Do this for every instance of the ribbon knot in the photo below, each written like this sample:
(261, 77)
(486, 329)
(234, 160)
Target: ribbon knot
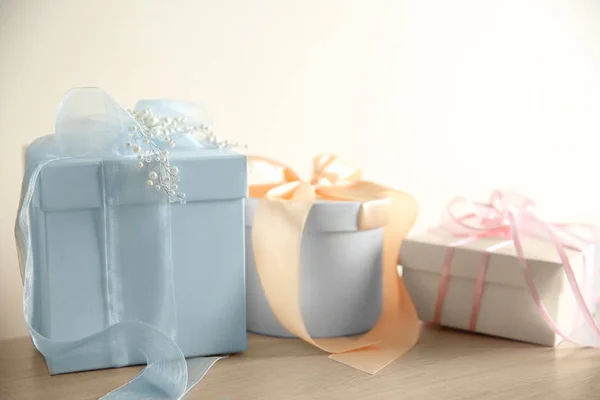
(495, 225)
(505, 212)
(317, 181)
(328, 171)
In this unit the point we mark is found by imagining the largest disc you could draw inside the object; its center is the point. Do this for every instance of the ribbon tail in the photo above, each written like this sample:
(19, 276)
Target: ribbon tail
(397, 330)
(144, 384)
(589, 333)
(197, 368)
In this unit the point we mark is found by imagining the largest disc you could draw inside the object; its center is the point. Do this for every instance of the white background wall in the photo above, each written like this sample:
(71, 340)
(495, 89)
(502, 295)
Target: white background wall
(435, 97)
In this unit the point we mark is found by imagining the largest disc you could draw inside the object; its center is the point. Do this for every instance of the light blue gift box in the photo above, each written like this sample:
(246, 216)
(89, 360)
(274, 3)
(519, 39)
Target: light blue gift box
(207, 238)
(335, 256)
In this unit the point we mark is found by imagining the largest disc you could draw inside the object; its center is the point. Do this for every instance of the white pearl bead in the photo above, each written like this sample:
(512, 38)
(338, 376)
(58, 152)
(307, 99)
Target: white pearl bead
(140, 164)
(149, 182)
(162, 159)
(136, 148)
(175, 170)
(153, 175)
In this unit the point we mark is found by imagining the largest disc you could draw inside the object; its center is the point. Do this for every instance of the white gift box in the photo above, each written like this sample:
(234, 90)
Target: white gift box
(507, 308)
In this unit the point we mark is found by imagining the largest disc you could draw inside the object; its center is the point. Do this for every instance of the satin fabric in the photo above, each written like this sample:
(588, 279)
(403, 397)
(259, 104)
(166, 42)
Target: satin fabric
(512, 217)
(91, 124)
(276, 240)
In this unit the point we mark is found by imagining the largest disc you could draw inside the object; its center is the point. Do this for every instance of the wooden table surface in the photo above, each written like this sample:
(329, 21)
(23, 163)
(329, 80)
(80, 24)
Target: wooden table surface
(445, 365)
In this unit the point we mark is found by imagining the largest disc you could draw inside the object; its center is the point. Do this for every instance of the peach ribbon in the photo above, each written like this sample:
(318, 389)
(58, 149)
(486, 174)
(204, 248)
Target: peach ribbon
(276, 240)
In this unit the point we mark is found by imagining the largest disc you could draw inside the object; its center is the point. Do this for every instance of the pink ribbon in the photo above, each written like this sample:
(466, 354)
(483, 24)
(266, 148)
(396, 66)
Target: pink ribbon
(512, 217)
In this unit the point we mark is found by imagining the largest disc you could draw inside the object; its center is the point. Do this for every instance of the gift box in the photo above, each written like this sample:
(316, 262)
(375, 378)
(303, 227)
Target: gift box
(322, 261)
(106, 251)
(340, 274)
(482, 281)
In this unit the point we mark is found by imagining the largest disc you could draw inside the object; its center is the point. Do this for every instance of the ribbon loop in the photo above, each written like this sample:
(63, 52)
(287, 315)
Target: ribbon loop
(91, 111)
(330, 170)
(90, 122)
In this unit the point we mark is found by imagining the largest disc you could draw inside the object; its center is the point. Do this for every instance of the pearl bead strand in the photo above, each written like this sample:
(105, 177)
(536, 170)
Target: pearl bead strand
(149, 130)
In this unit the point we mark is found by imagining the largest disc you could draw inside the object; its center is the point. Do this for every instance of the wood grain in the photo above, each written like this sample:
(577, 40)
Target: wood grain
(445, 365)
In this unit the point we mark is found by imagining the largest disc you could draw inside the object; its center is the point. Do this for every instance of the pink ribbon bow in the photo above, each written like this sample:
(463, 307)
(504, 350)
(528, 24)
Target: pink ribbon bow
(512, 217)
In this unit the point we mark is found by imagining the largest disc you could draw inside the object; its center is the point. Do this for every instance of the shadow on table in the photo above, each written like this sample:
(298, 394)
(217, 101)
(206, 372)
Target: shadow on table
(434, 341)
(271, 347)
(447, 342)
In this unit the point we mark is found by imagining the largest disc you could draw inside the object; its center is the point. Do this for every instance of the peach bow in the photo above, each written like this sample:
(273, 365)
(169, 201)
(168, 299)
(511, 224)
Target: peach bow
(276, 240)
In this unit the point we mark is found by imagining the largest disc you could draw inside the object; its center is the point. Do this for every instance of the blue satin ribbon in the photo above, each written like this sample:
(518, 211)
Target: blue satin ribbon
(90, 124)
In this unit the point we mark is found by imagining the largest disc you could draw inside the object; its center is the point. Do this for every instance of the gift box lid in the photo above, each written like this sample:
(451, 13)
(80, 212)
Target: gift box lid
(426, 251)
(324, 216)
(77, 183)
